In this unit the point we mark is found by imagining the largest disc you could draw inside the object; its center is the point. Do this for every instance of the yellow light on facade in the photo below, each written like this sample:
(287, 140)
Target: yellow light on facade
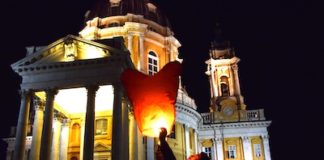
(92, 52)
(74, 100)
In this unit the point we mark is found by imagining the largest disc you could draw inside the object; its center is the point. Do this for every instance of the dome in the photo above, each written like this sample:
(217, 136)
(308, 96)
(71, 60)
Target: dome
(107, 8)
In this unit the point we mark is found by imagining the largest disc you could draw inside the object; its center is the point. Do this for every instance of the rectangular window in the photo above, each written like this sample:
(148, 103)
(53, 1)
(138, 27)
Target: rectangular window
(101, 127)
(231, 151)
(257, 150)
(208, 151)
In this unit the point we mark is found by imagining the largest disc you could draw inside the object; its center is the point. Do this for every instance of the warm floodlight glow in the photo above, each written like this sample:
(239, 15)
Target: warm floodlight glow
(153, 97)
(74, 100)
(93, 52)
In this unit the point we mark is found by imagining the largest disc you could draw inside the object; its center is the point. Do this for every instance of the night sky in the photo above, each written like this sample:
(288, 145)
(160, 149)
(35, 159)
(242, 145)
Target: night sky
(280, 44)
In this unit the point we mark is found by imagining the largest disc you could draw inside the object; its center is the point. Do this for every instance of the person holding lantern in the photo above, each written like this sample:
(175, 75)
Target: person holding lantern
(164, 151)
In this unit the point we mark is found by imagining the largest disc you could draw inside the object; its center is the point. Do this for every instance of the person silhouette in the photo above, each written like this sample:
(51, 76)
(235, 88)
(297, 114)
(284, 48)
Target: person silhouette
(164, 151)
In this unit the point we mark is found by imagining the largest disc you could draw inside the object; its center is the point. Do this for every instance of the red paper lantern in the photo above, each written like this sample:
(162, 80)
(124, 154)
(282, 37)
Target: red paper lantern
(153, 97)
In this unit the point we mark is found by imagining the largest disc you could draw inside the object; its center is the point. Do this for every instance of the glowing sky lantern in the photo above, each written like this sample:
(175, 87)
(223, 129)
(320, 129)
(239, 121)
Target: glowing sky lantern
(153, 97)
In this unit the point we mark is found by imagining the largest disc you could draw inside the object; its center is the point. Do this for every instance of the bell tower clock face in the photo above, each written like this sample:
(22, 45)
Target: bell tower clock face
(228, 111)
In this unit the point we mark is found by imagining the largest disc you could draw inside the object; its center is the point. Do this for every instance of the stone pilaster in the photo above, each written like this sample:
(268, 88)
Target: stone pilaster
(232, 84)
(46, 142)
(236, 79)
(141, 52)
(55, 154)
(133, 149)
(199, 146)
(196, 142)
(88, 147)
(219, 148)
(247, 148)
(187, 141)
(37, 128)
(64, 139)
(130, 42)
(140, 146)
(150, 148)
(22, 125)
(214, 150)
(266, 147)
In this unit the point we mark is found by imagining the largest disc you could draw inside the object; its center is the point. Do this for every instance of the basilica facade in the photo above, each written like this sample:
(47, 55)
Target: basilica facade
(73, 105)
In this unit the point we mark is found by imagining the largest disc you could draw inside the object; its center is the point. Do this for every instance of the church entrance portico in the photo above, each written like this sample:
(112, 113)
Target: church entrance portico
(74, 105)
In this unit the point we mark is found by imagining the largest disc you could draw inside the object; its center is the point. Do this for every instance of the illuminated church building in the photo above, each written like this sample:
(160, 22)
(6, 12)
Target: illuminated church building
(73, 105)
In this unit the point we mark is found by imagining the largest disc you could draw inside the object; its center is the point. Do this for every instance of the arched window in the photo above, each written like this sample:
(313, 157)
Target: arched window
(152, 63)
(75, 137)
(224, 86)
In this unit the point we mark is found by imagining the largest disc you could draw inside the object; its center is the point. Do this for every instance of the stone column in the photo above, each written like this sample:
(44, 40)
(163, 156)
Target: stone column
(133, 149)
(231, 82)
(212, 88)
(64, 139)
(55, 154)
(247, 148)
(219, 148)
(46, 142)
(130, 42)
(88, 147)
(141, 52)
(199, 146)
(196, 142)
(213, 150)
(125, 129)
(187, 140)
(140, 146)
(120, 148)
(214, 81)
(150, 148)
(217, 83)
(266, 147)
(236, 78)
(37, 129)
(22, 125)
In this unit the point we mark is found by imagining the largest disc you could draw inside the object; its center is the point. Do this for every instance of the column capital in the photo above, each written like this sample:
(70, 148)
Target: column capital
(265, 138)
(51, 91)
(38, 104)
(245, 138)
(234, 67)
(58, 116)
(130, 33)
(186, 126)
(25, 92)
(141, 35)
(117, 86)
(92, 88)
(66, 121)
(219, 139)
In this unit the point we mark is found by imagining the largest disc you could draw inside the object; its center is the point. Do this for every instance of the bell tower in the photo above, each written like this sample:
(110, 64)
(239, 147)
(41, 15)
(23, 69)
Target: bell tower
(223, 75)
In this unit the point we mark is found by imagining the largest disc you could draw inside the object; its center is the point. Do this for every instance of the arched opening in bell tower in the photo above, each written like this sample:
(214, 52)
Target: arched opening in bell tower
(224, 86)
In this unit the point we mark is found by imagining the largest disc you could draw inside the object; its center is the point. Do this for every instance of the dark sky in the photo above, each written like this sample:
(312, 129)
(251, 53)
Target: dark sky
(280, 44)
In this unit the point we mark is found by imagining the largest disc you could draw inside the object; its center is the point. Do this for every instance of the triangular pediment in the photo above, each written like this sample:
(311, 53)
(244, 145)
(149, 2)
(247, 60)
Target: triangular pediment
(66, 50)
(100, 147)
